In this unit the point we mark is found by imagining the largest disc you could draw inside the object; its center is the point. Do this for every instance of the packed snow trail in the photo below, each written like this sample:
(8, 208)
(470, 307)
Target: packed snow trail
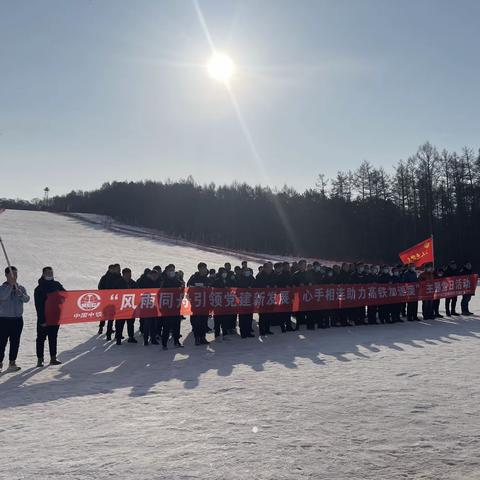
(371, 402)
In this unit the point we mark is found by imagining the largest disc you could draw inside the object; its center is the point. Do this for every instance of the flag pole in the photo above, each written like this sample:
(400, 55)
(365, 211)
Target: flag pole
(433, 251)
(6, 256)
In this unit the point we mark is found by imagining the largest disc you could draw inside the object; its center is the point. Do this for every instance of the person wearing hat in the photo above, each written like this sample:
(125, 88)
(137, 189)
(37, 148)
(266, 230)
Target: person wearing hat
(451, 303)
(12, 298)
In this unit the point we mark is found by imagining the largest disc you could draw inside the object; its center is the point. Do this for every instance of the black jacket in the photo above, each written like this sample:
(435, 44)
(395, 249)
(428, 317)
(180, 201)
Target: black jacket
(40, 294)
(201, 280)
(110, 281)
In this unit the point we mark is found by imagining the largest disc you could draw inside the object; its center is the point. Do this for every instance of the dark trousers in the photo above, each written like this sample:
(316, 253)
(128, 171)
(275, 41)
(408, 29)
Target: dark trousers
(109, 326)
(436, 306)
(231, 322)
(150, 329)
(450, 304)
(119, 324)
(222, 323)
(10, 330)
(322, 318)
(300, 317)
(264, 323)
(464, 303)
(395, 309)
(372, 314)
(50, 332)
(171, 325)
(427, 309)
(199, 326)
(245, 321)
(412, 309)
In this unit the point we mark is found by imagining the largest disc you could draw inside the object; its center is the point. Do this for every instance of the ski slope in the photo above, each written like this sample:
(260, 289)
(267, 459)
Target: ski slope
(371, 402)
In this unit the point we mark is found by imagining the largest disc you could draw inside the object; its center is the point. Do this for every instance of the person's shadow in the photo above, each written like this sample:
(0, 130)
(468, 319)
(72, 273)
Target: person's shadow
(99, 367)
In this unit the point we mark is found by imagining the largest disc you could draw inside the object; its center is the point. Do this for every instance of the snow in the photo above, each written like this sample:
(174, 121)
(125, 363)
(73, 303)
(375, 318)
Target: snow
(371, 402)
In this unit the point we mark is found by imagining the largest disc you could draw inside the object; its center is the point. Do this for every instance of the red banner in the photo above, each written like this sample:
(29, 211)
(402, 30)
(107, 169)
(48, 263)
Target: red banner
(93, 305)
(418, 254)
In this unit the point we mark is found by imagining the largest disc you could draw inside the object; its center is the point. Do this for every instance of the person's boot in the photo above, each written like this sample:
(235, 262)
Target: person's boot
(54, 361)
(131, 340)
(178, 344)
(447, 312)
(13, 367)
(197, 341)
(100, 330)
(455, 314)
(39, 362)
(108, 337)
(119, 341)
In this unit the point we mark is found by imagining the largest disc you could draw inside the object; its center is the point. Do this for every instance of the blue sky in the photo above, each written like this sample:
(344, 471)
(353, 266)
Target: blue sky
(93, 91)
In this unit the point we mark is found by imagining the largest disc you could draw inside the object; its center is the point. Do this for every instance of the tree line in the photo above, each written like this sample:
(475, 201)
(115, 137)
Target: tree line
(367, 214)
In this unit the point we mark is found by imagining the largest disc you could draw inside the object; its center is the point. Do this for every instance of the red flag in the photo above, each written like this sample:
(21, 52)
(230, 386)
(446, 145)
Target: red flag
(418, 254)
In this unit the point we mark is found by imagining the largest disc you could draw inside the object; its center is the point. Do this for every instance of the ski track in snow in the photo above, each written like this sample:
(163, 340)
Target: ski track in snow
(373, 402)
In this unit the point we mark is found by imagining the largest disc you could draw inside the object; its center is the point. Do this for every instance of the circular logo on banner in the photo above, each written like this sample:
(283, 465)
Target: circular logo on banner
(88, 301)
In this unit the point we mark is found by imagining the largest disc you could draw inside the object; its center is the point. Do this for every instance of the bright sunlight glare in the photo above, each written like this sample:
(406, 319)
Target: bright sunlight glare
(220, 67)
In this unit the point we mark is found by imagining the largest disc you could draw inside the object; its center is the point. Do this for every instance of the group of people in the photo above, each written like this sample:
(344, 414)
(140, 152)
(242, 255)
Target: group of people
(277, 275)
(156, 330)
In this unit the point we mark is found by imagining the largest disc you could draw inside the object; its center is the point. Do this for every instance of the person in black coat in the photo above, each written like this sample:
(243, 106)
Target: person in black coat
(126, 283)
(302, 278)
(384, 310)
(265, 279)
(221, 322)
(245, 280)
(46, 284)
(111, 280)
(150, 324)
(200, 322)
(171, 324)
(451, 303)
(396, 308)
(466, 270)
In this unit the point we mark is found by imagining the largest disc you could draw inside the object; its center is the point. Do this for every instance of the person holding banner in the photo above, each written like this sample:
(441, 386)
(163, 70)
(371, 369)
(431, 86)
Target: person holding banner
(172, 324)
(127, 283)
(466, 270)
(410, 276)
(451, 302)
(46, 284)
(200, 322)
(12, 298)
(428, 311)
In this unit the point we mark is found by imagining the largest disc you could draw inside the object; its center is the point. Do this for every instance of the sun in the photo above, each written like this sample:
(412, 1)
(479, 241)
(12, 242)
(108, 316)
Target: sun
(221, 67)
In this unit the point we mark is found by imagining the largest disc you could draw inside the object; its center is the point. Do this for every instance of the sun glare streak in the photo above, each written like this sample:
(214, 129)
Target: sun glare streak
(248, 136)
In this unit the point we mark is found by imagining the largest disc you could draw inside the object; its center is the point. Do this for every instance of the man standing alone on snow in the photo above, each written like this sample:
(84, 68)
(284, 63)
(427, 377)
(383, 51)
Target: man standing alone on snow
(46, 284)
(12, 298)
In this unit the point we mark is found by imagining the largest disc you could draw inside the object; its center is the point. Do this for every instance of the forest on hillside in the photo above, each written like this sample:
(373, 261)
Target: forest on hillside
(366, 214)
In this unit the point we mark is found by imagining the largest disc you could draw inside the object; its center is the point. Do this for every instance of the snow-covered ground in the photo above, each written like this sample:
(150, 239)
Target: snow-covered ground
(373, 402)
